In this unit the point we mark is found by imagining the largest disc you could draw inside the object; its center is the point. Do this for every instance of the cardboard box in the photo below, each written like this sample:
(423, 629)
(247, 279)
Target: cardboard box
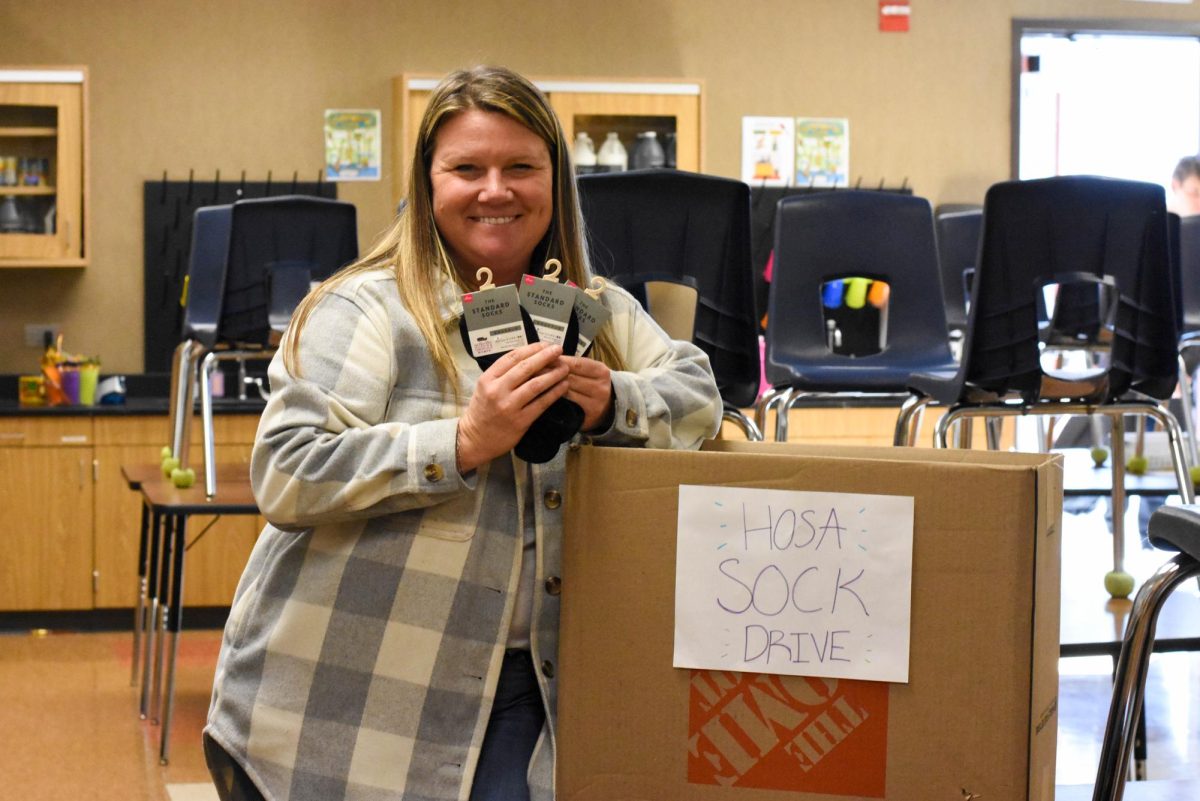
(978, 715)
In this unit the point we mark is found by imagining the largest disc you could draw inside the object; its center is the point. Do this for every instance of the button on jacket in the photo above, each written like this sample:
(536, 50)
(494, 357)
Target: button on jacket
(366, 636)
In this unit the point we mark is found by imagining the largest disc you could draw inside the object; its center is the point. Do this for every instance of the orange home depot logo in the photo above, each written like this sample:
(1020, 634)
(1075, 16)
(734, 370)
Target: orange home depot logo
(816, 735)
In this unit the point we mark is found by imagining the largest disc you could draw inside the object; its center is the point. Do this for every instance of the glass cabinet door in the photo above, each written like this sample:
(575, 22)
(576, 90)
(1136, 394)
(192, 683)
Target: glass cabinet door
(41, 174)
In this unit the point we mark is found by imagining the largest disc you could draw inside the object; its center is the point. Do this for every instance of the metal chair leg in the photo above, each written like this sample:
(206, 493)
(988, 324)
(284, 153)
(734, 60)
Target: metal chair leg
(749, 428)
(785, 409)
(770, 398)
(1118, 491)
(1187, 491)
(908, 421)
(1130, 680)
(206, 413)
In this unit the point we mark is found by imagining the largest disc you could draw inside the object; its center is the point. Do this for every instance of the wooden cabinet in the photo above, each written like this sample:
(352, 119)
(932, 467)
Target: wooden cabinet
(595, 106)
(43, 167)
(69, 525)
(218, 548)
(46, 517)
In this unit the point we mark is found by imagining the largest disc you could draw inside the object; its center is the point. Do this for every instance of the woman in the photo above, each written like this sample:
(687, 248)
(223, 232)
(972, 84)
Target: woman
(394, 634)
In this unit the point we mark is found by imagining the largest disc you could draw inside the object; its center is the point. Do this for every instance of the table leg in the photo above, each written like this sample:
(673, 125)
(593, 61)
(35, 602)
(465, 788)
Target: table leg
(151, 618)
(175, 625)
(164, 611)
(139, 612)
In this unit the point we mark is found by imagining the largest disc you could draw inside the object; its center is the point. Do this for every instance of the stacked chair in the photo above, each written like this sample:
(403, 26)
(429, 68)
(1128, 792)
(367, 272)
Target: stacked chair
(1105, 244)
(958, 231)
(654, 226)
(1188, 301)
(254, 261)
(828, 236)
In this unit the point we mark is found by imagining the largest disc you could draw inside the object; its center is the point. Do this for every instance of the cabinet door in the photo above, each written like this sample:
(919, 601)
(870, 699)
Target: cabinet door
(214, 563)
(46, 527)
(627, 114)
(42, 221)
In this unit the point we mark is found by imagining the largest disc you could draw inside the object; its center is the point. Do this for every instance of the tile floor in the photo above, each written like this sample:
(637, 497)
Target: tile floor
(69, 727)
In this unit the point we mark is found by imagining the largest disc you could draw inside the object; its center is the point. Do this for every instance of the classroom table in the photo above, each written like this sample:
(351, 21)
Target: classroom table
(165, 513)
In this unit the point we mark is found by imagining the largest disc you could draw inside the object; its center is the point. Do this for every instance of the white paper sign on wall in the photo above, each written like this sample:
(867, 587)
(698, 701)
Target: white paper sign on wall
(798, 583)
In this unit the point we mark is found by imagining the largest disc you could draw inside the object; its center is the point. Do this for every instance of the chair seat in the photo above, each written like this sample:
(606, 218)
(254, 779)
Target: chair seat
(860, 374)
(1177, 528)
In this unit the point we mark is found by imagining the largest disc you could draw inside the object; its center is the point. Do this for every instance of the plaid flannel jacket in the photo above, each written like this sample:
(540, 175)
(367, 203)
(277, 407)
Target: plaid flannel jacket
(365, 638)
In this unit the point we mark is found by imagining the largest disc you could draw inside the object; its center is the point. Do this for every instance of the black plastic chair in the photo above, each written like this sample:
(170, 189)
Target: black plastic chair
(958, 234)
(278, 248)
(1172, 528)
(204, 294)
(832, 235)
(692, 229)
(1109, 239)
(1188, 299)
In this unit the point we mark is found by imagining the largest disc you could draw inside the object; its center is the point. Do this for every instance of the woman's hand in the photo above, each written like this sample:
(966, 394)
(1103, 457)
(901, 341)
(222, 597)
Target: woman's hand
(589, 384)
(508, 397)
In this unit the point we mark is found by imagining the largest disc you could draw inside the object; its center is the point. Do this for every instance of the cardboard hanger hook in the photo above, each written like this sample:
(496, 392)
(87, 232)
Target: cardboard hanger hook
(484, 276)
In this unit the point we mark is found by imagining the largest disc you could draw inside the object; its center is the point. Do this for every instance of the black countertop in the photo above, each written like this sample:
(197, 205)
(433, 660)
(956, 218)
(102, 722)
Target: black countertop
(146, 393)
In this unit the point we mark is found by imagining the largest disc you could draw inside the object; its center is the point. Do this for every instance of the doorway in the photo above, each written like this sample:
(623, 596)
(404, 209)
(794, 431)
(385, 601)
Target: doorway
(1096, 100)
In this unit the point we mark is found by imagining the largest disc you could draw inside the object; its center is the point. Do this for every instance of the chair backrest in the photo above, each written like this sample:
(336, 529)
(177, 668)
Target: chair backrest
(681, 225)
(206, 273)
(672, 304)
(1189, 271)
(278, 247)
(876, 235)
(958, 234)
(1062, 230)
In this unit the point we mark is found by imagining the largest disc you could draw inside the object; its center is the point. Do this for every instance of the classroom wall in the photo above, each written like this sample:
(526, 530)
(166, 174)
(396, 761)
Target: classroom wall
(235, 85)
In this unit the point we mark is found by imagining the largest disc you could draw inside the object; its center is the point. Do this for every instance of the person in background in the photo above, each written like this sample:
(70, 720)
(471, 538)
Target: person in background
(394, 635)
(1185, 187)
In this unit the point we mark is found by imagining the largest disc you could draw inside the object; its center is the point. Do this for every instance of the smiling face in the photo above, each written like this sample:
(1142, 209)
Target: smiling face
(492, 181)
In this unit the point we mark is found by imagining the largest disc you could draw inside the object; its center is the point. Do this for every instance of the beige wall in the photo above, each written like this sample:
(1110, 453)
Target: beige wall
(241, 85)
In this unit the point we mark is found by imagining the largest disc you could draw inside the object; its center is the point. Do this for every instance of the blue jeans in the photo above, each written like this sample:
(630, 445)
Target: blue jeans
(512, 731)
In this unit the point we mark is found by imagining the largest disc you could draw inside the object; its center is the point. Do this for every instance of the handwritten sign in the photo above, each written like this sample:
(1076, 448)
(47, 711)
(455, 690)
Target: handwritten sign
(797, 583)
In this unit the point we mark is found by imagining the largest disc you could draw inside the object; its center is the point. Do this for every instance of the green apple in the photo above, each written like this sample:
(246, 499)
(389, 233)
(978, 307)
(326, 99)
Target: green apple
(1119, 584)
(1137, 465)
(165, 453)
(183, 478)
(169, 464)
(1099, 456)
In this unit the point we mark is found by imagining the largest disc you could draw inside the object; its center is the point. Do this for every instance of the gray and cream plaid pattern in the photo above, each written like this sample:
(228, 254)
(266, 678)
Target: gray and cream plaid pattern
(366, 635)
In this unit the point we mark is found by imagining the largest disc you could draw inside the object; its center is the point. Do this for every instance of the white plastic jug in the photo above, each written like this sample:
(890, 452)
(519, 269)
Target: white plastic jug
(584, 154)
(612, 156)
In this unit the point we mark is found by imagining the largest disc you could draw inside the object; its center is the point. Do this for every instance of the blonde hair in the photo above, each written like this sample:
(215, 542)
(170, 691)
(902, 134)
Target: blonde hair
(413, 248)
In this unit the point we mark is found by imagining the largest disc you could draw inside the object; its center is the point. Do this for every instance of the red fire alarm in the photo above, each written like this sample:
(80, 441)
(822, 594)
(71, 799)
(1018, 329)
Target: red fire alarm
(893, 15)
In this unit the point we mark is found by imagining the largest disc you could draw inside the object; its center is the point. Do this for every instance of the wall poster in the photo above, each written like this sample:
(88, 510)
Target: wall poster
(768, 150)
(353, 144)
(822, 151)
